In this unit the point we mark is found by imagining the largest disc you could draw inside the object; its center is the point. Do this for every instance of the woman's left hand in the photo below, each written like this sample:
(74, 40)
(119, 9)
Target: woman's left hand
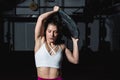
(74, 39)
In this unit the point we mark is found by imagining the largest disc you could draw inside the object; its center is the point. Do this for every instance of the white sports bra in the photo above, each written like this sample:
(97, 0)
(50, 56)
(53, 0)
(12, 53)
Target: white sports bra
(44, 59)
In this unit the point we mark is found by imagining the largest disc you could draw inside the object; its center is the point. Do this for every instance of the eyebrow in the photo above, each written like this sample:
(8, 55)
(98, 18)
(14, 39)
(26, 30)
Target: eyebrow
(50, 30)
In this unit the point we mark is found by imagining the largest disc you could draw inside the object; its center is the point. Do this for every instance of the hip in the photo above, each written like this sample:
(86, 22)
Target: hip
(58, 78)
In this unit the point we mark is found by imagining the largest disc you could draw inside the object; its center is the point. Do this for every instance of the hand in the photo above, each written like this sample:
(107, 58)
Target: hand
(74, 39)
(56, 8)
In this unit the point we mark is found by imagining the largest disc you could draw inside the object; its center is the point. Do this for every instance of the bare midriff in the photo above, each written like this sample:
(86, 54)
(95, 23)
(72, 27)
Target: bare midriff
(48, 72)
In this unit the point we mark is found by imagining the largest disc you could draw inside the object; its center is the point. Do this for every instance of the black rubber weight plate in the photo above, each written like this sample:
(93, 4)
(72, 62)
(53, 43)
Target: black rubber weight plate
(71, 27)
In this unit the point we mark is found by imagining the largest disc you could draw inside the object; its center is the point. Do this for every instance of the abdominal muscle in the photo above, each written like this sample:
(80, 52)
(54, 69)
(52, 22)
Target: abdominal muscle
(48, 72)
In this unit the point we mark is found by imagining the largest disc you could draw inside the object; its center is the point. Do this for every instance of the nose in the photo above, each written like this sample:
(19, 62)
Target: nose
(52, 34)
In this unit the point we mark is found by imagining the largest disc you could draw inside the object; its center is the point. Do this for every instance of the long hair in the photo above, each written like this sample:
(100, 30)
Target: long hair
(55, 19)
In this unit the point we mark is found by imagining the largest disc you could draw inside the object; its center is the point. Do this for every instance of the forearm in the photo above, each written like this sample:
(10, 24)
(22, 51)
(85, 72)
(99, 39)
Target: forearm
(39, 29)
(42, 18)
(75, 52)
(45, 15)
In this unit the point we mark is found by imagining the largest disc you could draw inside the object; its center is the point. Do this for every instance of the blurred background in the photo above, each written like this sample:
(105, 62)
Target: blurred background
(98, 22)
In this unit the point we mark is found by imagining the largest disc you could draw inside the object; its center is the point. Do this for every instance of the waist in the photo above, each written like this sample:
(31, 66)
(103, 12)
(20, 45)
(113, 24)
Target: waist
(48, 65)
(48, 72)
(58, 78)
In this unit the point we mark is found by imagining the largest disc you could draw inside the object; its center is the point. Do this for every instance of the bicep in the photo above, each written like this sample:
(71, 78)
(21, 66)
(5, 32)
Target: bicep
(39, 28)
(68, 54)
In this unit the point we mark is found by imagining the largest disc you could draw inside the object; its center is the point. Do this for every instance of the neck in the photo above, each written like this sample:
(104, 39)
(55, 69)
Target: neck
(50, 43)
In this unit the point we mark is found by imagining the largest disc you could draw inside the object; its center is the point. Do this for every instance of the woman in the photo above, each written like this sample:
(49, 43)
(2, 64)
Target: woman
(49, 48)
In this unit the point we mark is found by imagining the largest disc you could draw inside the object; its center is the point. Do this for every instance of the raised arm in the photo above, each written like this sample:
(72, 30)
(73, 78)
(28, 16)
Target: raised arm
(73, 57)
(39, 29)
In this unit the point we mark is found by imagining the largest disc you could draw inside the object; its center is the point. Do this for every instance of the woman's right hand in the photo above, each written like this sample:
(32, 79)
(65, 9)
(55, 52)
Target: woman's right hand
(56, 8)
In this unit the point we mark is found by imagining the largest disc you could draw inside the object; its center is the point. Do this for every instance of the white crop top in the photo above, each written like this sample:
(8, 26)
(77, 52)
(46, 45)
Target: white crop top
(44, 59)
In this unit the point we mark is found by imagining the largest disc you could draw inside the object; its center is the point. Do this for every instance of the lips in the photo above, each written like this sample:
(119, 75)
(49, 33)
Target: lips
(52, 38)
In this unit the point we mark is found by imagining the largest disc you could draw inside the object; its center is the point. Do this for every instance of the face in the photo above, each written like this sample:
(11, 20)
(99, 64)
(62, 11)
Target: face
(51, 33)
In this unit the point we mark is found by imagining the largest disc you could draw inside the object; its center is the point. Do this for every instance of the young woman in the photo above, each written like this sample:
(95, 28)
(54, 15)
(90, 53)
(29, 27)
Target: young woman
(49, 47)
